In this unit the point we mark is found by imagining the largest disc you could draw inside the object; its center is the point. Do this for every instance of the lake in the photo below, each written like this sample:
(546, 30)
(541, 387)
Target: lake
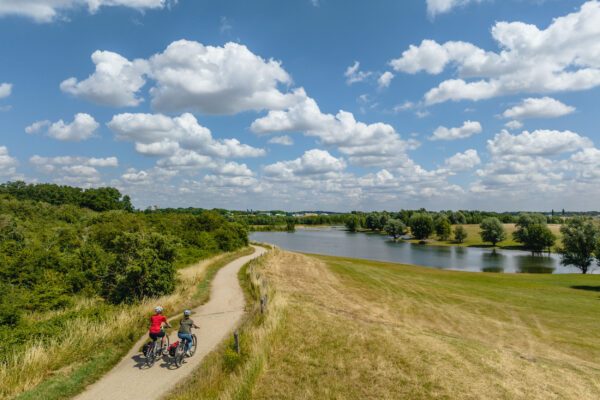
(337, 242)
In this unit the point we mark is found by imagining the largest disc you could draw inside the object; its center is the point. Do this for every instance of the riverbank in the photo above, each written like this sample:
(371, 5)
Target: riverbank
(354, 329)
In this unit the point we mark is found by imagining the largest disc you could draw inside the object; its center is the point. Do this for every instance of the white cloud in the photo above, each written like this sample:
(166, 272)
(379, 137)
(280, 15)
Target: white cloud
(216, 80)
(385, 79)
(545, 107)
(82, 128)
(284, 140)
(37, 126)
(537, 143)
(74, 170)
(353, 74)
(513, 125)
(75, 160)
(435, 7)
(116, 81)
(468, 129)
(50, 10)
(563, 57)
(5, 90)
(463, 161)
(375, 144)
(312, 162)
(160, 135)
(8, 164)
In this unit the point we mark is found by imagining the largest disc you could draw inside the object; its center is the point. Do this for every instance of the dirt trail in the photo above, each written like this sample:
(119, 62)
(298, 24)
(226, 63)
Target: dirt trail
(130, 379)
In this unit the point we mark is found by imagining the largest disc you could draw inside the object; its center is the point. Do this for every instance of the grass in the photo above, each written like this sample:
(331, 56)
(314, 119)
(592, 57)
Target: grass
(474, 240)
(353, 329)
(61, 368)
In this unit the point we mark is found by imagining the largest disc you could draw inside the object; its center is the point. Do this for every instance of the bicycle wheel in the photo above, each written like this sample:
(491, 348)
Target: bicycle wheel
(179, 355)
(194, 345)
(151, 355)
(165, 347)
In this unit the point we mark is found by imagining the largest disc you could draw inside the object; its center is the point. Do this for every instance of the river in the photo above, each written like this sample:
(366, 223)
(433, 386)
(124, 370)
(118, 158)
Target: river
(337, 242)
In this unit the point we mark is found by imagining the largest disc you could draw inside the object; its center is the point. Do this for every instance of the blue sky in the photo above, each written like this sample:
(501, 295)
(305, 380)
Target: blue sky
(302, 104)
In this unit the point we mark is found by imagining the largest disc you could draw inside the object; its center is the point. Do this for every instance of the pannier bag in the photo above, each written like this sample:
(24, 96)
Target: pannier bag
(172, 348)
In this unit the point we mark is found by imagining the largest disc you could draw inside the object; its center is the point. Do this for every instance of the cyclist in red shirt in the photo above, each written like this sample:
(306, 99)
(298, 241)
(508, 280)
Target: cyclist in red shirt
(156, 324)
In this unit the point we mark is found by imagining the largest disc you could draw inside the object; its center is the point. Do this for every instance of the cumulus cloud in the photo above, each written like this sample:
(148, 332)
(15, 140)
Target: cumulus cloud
(563, 57)
(284, 140)
(312, 162)
(435, 7)
(83, 127)
(5, 90)
(8, 164)
(50, 10)
(74, 170)
(463, 161)
(545, 107)
(353, 74)
(160, 135)
(468, 129)
(375, 144)
(116, 81)
(385, 79)
(539, 142)
(216, 80)
(513, 125)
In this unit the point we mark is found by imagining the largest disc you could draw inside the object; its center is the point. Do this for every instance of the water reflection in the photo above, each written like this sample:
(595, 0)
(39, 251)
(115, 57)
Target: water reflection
(535, 264)
(337, 242)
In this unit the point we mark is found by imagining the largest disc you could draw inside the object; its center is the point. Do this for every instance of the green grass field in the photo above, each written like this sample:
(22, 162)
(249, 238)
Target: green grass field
(353, 329)
(474, 240)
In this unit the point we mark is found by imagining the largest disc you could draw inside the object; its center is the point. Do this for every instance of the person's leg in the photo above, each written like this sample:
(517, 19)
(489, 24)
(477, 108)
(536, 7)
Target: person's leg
(187, 338)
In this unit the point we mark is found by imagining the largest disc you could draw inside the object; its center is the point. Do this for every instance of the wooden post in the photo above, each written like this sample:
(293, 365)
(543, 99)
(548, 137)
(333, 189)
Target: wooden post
(262, 305)
(236, 338)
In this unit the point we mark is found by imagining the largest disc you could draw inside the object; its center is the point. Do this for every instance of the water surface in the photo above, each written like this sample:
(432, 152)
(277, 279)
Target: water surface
(337, 242)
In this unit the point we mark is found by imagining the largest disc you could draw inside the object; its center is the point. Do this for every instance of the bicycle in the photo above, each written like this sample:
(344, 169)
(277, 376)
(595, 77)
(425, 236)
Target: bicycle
(152, 350)
(180, 350)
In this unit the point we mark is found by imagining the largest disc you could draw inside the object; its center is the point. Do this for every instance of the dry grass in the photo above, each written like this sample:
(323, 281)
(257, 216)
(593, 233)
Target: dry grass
(84, 338)
(355, 329)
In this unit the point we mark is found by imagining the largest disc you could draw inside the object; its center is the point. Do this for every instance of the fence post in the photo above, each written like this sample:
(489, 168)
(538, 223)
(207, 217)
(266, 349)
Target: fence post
(262, 305)
(236, 338)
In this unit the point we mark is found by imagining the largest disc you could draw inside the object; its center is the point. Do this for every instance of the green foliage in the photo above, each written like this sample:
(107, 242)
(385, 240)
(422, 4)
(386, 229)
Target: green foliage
(395, 228)
(443, 228)
(579, 243)
(290, 225)
(54, 256)
(353, 223)
(100, 199)
(492, 231)
(421, 225)
(460, 234)
(533, 232)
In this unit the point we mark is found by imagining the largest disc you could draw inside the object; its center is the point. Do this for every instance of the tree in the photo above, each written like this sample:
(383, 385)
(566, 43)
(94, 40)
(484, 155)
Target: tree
(443, 227)
(290, 224)
(579, 243)
(460, 234)
(492, 231)
(352, 223)
(395, 228)
(533, 232)
(421, 225)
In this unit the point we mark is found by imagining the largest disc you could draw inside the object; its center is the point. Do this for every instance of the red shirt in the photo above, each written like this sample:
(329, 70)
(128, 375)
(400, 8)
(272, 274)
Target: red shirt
(156, 322)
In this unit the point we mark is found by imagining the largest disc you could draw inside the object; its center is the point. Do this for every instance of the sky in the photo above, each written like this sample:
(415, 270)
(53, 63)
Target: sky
(306, 104)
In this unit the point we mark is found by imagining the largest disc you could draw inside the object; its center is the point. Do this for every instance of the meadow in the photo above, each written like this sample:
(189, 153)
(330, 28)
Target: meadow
(341, 328)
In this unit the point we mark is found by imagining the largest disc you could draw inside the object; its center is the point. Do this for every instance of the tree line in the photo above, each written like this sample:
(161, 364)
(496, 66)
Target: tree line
(52, 254)
(97, 199)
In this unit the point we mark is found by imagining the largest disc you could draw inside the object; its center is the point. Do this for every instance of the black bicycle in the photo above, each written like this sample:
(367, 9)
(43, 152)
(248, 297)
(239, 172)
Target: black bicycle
(156, 349)
(180, 351)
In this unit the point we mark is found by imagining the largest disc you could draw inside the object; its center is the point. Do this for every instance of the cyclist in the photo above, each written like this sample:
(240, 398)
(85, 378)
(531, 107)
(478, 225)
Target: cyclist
(157, 321)
(185, 330)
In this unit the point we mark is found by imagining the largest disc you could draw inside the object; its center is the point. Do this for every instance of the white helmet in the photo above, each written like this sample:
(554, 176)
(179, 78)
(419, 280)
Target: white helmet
(187, 313)
(158, 309)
